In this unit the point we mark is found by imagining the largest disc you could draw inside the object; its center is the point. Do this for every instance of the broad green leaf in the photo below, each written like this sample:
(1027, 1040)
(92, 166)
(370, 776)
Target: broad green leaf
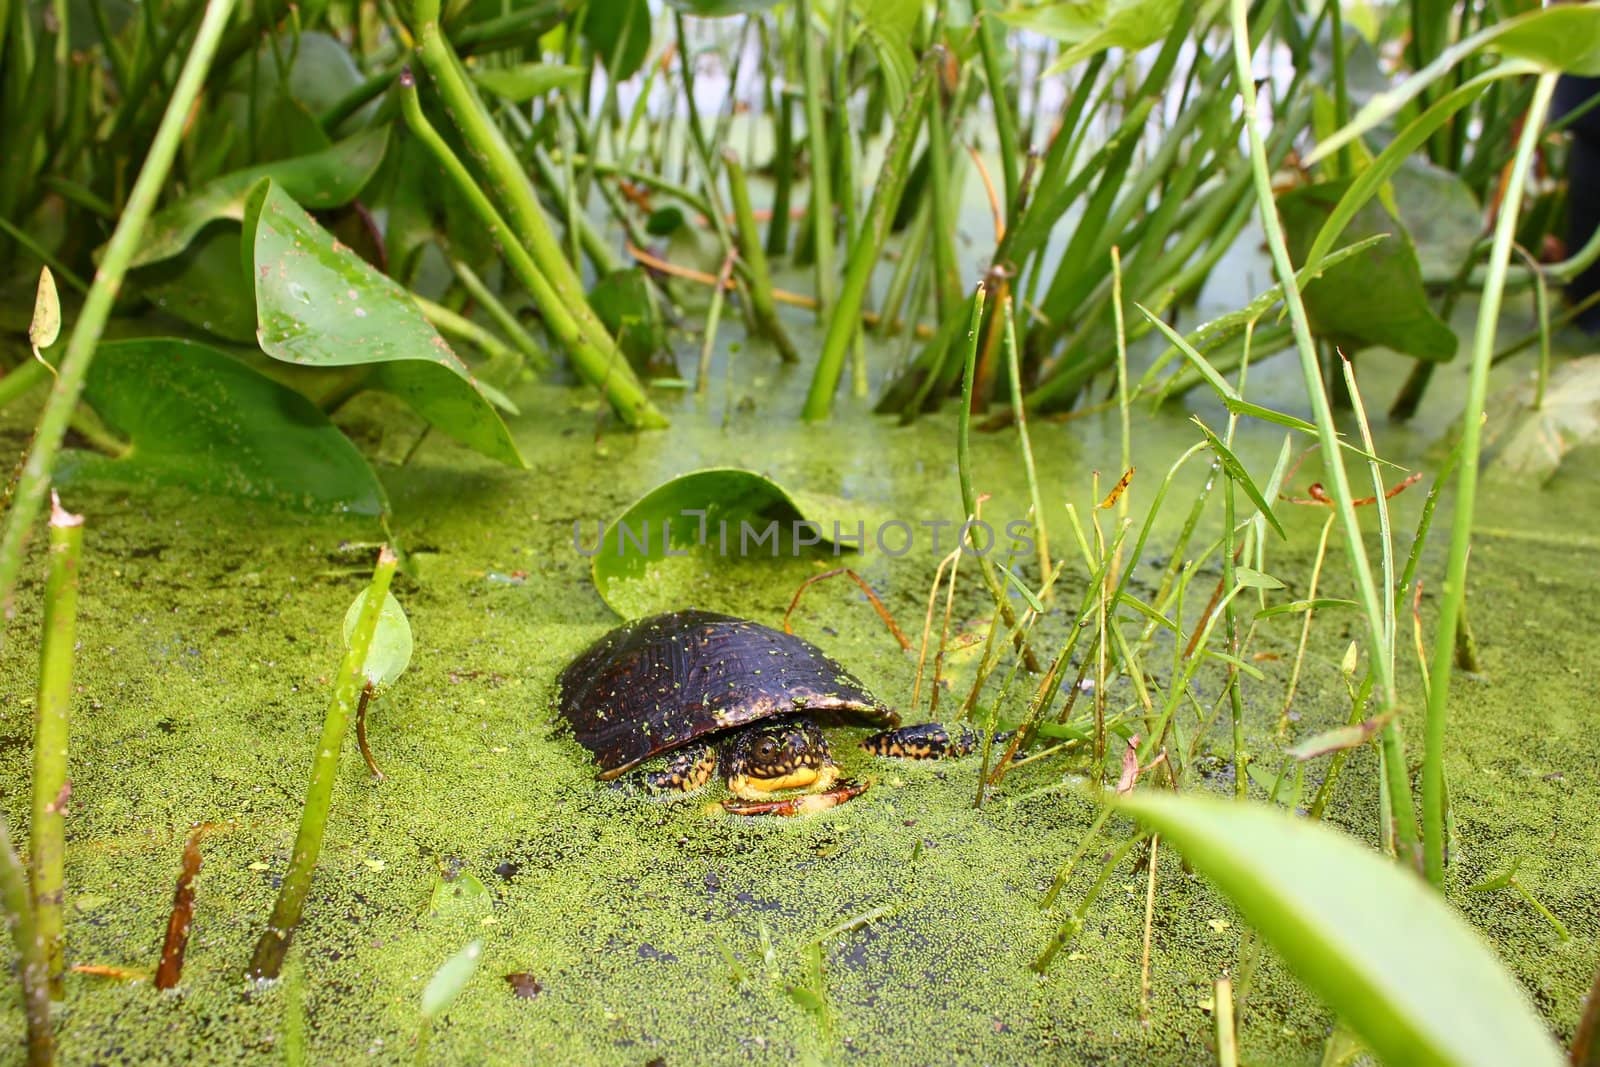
(1388, 162)
(389, 654)
(707, 524)
(202, 420)
(1375, 299)
(1091, 26)
(1441, 214)
(528, 81)
(46, 324)
(1241, 477)
(626, 303)
(619, 33)
(450, 981)
(1524, 442)
(204, 286)
(325, 179)
(318, 304)
(1214, 332)
(1380, 947)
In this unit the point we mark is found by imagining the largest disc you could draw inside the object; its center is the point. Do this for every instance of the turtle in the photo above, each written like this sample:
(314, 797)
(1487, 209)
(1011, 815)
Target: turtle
(667, 703)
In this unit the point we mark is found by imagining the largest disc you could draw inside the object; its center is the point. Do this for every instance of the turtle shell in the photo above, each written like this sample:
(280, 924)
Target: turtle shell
(657, 684)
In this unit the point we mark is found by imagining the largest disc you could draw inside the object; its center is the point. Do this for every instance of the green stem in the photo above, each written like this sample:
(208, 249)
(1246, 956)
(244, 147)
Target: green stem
(867, 247)
(821, 171)
(50, 737)
(18, 912)
(604, 368)
(267, 961)
(1455, 582)
(500, 314)
(754, 257)
(594, 351)
(74, 367)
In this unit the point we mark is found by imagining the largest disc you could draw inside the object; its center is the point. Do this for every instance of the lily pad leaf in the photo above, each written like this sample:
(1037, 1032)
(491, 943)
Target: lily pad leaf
(389, 653)
(1376, 298)
(1527, 442)
(702, 526)
(200, 419)
(1366, 935)
(325, 179)
(318, 304)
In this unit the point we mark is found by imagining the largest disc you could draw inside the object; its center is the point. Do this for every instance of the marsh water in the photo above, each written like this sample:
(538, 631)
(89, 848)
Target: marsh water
(899, 926)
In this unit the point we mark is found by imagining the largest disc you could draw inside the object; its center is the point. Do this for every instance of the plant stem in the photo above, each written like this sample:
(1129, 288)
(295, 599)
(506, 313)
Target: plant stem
(754, 258)
(18, 911)
(821, 167)
(1455, 581)
(267, 961)
(50, 735)
(1327, 429)
(594, 351)
(74, 367)
(867, 247)
(605, 368)
(992, 44)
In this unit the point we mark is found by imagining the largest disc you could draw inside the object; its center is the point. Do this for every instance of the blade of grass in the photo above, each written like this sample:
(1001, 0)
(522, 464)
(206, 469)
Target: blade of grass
(1450, 605)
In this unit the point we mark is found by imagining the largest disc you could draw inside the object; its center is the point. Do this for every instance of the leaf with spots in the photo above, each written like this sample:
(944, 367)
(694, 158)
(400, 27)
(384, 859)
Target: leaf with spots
(197, 418)
(318, 304)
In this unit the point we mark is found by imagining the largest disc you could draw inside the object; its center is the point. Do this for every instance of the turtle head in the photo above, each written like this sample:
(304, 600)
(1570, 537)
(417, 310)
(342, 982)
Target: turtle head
(788, 753)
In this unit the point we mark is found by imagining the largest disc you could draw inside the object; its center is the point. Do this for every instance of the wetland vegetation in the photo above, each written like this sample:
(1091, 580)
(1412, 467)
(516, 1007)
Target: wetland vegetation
(1194, 390)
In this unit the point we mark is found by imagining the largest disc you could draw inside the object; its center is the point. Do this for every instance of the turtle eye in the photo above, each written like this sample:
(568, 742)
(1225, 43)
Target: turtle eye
(767, 749)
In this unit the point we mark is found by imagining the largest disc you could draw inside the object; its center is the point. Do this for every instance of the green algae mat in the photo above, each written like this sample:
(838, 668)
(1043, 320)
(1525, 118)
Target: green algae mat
(899, 927)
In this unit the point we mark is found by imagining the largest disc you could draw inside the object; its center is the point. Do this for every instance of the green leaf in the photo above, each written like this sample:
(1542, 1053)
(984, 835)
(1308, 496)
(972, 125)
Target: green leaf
(664, 221)
(626, 303)
(326, 179)
(1240, 476)
(1384, 951)
(619, 33)
(1254, 579)
(1092, 26)
(204, 286)
(389, 654)
(661, 551)
(462, 897)
(1027, 594)
(450, 981)
(1339, 738)
(1524, 442)
(1297, 606)
(1376, 299)
(318, 304)
(202, 420)
(528, 81)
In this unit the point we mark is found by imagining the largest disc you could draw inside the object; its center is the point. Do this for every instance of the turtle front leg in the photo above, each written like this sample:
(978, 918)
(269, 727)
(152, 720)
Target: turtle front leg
(925, 740)
(686, 770)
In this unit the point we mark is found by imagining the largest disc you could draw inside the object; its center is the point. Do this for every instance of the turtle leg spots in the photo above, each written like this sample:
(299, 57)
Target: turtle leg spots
(685, 771)
(926, 740)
